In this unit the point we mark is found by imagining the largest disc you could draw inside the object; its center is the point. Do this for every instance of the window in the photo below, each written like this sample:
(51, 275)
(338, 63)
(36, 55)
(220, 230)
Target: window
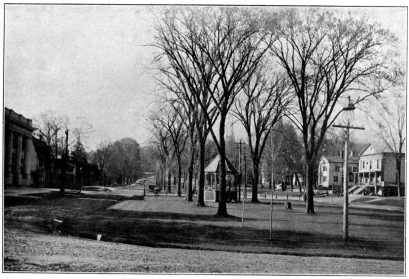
(324, 168)
(377, 164)
(370, 164)
(363, 164)
(337, 168)
(355, 169)
(349, 169)
(324, 179)
(336, 178)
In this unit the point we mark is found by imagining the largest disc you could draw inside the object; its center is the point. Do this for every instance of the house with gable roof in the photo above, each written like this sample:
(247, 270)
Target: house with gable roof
(377, 170)
(331, 170)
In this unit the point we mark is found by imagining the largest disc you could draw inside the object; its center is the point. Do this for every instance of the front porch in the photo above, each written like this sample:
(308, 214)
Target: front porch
(372, 183)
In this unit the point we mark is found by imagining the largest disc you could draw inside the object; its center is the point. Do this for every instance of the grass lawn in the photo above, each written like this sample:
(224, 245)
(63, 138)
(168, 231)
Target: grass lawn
(364, 199)
(391, 202)
(169, 221)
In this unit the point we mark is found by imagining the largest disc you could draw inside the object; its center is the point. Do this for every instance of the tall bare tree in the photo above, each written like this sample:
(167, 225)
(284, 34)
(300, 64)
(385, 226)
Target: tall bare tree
(272, 150)
(172, 120)
(174, 71)
(261, 105)
(161, 146)
(327, 56)
(225, 42)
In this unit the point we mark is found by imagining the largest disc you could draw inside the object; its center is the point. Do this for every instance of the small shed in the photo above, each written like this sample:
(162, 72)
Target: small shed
(212, 187)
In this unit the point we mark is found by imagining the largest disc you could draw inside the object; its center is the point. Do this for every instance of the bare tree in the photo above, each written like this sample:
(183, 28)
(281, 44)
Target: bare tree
(391, 122)
(261, 105)
(224, 42)
(161, 146)
(172, 120)
(272, 151)
(290, 155)
(49, 125)
(175, 71)
(188, 115)
(192, 116)
(102, 156)
(327, 56)
(82, 129)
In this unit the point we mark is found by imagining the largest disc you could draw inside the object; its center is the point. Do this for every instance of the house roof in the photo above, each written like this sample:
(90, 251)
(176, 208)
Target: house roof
(337, 159)
(214, 165)
(379, 147)
(41, 147)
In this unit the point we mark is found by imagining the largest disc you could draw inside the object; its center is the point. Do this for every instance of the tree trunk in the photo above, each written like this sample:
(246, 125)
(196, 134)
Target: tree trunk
(309, 187)
(291, 182)
(298, 181)
(179, 177)
(189, 187)
(254, 197)
(200, 193)
(169, 181)
(222, 210)
(56, 144)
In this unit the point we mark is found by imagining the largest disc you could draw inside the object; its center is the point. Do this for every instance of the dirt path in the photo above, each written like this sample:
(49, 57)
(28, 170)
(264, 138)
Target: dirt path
(29, 251)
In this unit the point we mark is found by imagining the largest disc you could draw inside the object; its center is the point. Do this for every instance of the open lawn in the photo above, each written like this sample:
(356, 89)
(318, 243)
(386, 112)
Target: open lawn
(364, 199)
(170, 221)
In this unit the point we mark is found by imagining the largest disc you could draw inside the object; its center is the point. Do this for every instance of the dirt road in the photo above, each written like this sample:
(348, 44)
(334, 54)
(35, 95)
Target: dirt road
(32, 251)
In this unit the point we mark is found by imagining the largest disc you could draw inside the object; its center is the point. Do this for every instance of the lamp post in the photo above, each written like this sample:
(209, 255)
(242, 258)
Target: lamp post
(348, 117)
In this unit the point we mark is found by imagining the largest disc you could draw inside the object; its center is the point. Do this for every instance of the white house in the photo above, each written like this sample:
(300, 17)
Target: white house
(331, 170)
(377, 170)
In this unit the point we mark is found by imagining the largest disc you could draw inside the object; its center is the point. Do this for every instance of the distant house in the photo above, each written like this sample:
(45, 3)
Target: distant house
(331, 170)
(377, 170)
(19, 153)
(39, 175)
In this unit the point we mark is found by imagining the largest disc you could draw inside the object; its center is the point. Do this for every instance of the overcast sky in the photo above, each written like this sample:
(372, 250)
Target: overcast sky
(91, 61)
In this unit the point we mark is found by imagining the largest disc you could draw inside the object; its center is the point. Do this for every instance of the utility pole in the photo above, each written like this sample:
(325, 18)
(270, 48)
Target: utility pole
(348, 118)
(245, 177)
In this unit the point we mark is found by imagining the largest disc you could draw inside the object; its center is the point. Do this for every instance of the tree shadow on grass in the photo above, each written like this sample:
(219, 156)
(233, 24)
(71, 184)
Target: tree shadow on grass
(184, 234)
(47, 198)
(174, 216)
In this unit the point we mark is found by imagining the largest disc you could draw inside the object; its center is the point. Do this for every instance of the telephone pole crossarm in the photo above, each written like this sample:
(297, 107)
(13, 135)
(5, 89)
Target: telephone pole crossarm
(348, 127)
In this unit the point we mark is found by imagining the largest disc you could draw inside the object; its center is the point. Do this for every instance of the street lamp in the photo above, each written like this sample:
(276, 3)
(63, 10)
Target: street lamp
(348, 117)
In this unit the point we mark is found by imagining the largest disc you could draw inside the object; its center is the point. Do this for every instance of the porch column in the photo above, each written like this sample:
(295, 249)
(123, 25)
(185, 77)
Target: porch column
(376, 184)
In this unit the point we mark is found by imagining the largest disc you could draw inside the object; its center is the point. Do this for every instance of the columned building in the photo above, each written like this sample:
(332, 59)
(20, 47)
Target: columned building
(19, 153)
